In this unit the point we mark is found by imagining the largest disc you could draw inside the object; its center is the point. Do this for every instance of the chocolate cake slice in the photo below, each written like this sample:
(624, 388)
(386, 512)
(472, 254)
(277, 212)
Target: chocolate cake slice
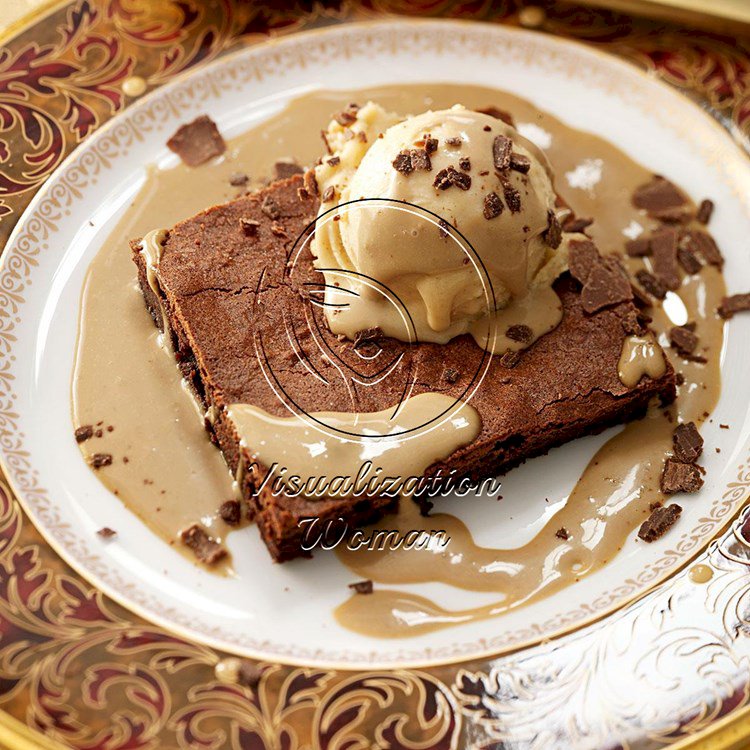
(245, 327)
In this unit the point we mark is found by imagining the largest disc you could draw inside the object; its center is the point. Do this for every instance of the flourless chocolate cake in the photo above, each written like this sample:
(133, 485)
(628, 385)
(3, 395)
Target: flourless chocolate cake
(245, 328)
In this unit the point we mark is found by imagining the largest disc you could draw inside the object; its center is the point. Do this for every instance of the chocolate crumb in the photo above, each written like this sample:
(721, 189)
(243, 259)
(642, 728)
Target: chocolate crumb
(443, 228)
(553, 233)
(705, 211)
(362, 587)
(502, 148)
(288, 168)
(659, 522)
(205, 547)
(683, 339)
(464, 164)
(231, 512)
(520, 332)
(450, 375)
(249, 227)
(100, 459)
(430, 145)
(562, 533)
(106, 533)
(679, 378)
(198, 141)
(454, 142)
(84, 432)
(680, 477)
(493, 206)
(520, 163)
(329, 194)
(238, 179)
(687, 443)
(98, 433)
(734, 304)
(651, 284)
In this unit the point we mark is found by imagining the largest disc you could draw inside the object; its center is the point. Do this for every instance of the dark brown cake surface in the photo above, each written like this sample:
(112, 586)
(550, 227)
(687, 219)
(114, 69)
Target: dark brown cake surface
(240, 297)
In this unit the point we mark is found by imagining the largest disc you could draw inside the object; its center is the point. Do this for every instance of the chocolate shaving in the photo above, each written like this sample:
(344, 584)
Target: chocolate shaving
(659, 522)
(205, 547)
(100, 459)
(573, 224)
(734, 304)
(238, 179)
(493, 206)
(198, 141)
(651, 284)
(249, 227)
(84, 432)
(660, 198)
(498, 114)
(664, 251)
(451, 176)
(687, 443)
(688, 260)
(639, 247)
(704, 245)
(106, 533)
(684, 339)
(502, 148)
(231, 512)
(520, 332)
(680, 477)
(553, 233)
(289, 168)
(511, 195)
(705, 211)
(362, 587)
(520, 163)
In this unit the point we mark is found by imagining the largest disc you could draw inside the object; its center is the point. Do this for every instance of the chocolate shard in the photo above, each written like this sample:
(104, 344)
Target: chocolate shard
(198, 141)
(639, 247)
(582, 259)
(687, 443)
(734, 304)
(493, 206)
(575, 224)
(100, 459)
(498, 114)
(84, 432)
(662, 519)
(511, 195)
(607, 285)
(519, 332)
(683, 339)
(502, 148)
(689, 260)
(449, 176)
(679, 476)
(703, 244)
(553, 233)
(402, 163)
(348, 116)
(705, 211)
(420, 160)
(204, 546)
(659, 198)
(231, 512)
(651, 284)
(640, 298)
(361, 587)
(520, 163)
(664, 251)
(288, 168)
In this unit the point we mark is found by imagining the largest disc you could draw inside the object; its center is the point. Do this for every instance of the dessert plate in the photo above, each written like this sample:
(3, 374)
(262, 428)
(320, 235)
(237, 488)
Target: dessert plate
(284, 613)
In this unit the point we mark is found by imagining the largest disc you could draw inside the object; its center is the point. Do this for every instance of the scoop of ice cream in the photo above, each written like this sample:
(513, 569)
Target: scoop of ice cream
(467, 171)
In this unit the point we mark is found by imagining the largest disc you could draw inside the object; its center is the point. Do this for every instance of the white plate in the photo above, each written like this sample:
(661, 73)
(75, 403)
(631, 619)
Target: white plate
(283, 613)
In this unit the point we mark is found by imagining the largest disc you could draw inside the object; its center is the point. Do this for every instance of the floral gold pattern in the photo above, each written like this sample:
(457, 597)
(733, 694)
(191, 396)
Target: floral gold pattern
(91, 674)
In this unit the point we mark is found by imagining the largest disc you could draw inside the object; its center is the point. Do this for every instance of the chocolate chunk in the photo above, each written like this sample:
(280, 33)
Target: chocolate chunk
(664, 251)
(84, 432)
(683, 339)
(249, 227)
(651, 284)
(520, 332)
(454, 142)
(639, 247)
(510, 359)
(329, 194)
(430, 145)
(450, 375)
(498, 114)
(271, 208)
(289, 168)
(493, 206)
(464, 164)
(106, 533)
(451, 176)
(562, 533)
(420, 160)
(688, 260)
(231, 512)
(705, 211)
(687, 443)
(659, 522)
(703, 245)
(502, 148)
(511, 195)
(680, 477)
(553, 233)
(582, 259)
(734, 304)
(334, 161)
(205, 547)
(520, 163)
(574, 224)
(402, 163)
(362, 587)
(347, 117)
(238, 179)
(606, 285)
(100, 459)
(659, 197)
(198, 141)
